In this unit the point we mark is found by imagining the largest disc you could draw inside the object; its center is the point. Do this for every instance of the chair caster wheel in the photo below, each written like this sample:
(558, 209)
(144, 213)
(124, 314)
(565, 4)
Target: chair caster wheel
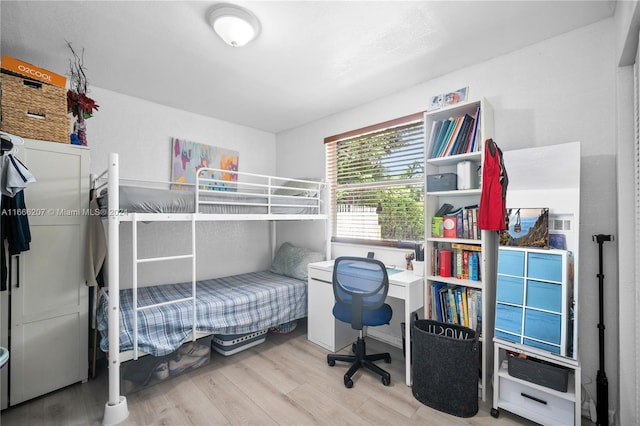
(386, 381)
(331, 362)
(353, 348)
(495, 413)
(348, 383)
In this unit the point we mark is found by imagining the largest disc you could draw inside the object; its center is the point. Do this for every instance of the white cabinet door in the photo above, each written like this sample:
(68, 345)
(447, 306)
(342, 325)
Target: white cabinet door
(49, 298)
(322, 327)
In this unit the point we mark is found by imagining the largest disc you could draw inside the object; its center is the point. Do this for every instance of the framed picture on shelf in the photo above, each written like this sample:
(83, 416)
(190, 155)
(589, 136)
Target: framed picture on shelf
(454, 97)
(526, 227)
(435, 103)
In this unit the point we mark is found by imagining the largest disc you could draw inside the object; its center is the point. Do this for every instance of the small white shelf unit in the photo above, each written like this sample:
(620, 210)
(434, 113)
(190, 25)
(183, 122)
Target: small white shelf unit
(538, 403)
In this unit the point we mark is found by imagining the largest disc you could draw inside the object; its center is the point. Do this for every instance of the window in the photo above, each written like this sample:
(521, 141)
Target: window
(376, 178)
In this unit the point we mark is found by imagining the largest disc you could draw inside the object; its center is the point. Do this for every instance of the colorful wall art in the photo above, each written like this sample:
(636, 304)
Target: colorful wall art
(189, 157)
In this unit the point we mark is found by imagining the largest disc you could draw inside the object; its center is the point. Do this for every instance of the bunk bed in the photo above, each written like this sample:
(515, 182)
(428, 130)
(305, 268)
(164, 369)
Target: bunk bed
(134, 321)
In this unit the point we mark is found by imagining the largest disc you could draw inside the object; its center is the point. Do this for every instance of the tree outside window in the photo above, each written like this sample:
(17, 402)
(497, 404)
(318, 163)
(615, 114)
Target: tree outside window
(377, 183)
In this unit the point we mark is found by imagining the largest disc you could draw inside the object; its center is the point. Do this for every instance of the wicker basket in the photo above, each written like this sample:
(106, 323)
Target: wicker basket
(34, 110)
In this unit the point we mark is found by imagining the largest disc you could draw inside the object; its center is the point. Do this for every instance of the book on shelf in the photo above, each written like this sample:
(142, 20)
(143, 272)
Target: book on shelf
(464, 221)
(437, 303)
(436, 226)
(442, 135)
(473, 145)
(472, 306)
(458, 260)
(440, 139)
(444, 209)
(470, 247)
(474, 267)
(454, 136)
(459, 264)
(459, 305)
(465, 306)
(461, 145)
(449, 228)
(454, 304)
(460, 223)
(435, 131)
(466, 264)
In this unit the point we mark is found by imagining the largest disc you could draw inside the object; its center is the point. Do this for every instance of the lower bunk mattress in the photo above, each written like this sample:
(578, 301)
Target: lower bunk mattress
(237, 304)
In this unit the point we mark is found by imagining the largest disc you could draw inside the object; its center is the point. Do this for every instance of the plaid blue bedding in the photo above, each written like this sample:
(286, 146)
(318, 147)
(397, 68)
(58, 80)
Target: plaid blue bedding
(230, 305)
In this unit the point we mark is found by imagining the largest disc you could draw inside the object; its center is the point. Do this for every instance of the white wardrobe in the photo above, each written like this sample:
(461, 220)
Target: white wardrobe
(44, 314)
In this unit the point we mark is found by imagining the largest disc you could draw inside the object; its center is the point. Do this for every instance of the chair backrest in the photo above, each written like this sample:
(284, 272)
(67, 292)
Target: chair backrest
(360, 283)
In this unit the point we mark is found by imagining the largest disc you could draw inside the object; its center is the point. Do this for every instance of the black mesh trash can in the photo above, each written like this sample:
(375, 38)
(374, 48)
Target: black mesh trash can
(445, 367)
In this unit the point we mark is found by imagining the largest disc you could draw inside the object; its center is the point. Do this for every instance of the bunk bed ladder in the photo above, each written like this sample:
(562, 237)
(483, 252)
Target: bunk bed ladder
(137, 261)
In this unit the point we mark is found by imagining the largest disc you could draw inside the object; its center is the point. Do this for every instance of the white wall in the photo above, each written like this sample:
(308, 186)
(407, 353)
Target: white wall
(141, 133)
(627, 29)
(560, 90)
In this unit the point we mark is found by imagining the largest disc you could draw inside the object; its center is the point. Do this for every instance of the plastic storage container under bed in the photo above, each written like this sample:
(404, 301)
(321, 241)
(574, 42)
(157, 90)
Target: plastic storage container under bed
(230, 344)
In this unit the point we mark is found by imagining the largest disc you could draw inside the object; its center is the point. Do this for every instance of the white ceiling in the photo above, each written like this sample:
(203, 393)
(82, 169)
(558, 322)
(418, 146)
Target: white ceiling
(312, 58)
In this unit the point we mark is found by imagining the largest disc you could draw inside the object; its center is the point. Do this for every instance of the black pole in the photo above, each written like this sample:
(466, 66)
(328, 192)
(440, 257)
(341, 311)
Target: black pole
(602, 406)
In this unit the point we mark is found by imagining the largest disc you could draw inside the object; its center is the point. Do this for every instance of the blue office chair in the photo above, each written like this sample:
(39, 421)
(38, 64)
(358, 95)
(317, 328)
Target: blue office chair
(360, 287)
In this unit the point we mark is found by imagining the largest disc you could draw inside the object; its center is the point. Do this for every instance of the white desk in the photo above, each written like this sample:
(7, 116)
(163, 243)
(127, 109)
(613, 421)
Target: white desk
(324, 330)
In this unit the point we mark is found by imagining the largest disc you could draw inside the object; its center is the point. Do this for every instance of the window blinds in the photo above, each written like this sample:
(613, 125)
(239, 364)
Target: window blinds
(377, 183)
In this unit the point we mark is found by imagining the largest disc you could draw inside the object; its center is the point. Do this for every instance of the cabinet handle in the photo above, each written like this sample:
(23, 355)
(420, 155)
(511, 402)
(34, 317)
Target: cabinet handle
(541, 401)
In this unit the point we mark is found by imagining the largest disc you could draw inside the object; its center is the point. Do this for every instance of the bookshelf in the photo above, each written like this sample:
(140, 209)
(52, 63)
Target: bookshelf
(439, 191)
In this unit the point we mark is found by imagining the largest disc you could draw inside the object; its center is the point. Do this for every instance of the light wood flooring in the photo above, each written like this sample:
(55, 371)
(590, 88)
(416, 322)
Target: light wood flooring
(284, 381)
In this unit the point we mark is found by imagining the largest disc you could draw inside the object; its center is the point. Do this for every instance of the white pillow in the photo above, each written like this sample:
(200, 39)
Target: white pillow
(295, 188)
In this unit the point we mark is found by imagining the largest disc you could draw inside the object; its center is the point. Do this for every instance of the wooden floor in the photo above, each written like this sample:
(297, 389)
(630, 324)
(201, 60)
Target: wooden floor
(284, 381)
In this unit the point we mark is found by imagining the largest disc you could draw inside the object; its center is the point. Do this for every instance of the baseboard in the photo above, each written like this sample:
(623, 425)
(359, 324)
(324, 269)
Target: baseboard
(384, 337)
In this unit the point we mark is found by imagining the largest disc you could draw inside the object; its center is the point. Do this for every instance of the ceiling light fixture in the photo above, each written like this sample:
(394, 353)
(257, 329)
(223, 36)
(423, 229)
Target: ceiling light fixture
(235, 25)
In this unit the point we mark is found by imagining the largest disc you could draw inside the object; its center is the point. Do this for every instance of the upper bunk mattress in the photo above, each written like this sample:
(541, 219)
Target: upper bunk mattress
(230, 305)
(134, 199)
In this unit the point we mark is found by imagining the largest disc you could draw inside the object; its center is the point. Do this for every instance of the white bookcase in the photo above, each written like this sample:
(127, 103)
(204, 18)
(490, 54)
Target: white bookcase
(487, 241)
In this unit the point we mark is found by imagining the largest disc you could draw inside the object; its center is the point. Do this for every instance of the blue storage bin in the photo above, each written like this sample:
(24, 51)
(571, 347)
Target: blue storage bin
(544, 295)
(542, 325)
(507, 336)
(509, 318)
(545, 266)
(510, 290)
(511, 262)
(544, 346)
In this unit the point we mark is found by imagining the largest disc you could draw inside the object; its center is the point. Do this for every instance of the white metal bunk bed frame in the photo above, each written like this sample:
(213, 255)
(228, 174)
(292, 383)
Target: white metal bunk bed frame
(116, 409)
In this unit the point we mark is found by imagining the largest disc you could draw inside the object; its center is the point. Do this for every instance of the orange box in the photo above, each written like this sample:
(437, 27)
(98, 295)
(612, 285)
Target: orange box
(36, 73)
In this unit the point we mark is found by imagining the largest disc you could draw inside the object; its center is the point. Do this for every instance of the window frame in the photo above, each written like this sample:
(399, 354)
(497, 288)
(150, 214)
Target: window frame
(332, 176)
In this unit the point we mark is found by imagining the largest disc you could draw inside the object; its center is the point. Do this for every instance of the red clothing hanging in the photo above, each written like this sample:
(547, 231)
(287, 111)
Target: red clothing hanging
(493, 200)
